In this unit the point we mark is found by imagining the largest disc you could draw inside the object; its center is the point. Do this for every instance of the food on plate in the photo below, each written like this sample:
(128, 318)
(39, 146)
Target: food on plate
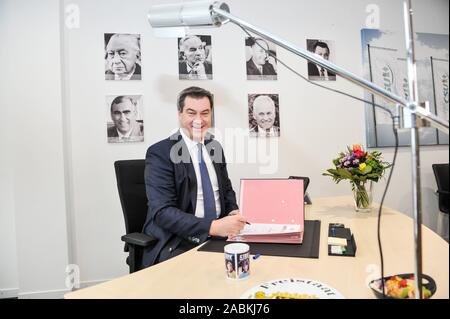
(402, 288)
(283, 295)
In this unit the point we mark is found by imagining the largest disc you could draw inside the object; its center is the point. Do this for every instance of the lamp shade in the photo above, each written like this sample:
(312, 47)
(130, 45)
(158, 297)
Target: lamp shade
(187, 14)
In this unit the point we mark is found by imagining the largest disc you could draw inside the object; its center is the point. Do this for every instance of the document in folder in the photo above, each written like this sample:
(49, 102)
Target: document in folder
(275, 210)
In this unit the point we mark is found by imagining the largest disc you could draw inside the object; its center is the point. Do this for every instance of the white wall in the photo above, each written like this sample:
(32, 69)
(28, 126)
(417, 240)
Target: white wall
(8, 256)
(316, 124)
(34, 184)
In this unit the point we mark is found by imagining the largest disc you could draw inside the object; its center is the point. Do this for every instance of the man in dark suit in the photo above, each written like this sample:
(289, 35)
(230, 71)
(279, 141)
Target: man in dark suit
(122, 55)
(316, 71)
(190, 196)
(194, 65)
(259, 65)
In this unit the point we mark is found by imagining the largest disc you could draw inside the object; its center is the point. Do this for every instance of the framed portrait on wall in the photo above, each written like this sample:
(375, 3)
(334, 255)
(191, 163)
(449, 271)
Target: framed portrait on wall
(195, 57)
(325, 49)
(125, 122)
(264, 115)
(123, 57)
(261, 62)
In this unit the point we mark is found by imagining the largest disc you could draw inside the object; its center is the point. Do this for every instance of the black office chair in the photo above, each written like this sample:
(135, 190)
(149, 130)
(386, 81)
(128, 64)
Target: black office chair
(131, 186)
(305, 179)
(442, 181)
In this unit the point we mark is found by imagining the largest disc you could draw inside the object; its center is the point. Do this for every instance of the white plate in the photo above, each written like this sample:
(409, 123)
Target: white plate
(295, 287)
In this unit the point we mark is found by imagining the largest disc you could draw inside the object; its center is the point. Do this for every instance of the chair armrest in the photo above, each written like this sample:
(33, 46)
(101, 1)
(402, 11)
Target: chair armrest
(138, 239)
(442, 192)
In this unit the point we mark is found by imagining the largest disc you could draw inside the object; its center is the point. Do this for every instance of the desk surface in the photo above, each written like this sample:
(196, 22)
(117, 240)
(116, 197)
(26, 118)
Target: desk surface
(199, 275)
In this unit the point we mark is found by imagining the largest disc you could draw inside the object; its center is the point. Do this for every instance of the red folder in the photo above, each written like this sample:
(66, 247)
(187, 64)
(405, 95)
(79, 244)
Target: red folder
(275, 210)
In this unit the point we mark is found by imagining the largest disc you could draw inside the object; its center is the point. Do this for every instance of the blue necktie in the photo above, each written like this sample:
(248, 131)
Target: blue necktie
(209, 201)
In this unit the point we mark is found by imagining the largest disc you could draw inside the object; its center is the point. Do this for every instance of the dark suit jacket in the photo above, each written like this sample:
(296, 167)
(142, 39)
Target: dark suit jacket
(182, 66)
(314, 71)
(172, 196)
(137, 75)
(252, 69)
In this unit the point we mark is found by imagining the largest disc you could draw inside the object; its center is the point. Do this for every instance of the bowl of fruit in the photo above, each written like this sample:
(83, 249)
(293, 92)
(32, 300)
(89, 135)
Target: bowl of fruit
(402, 287)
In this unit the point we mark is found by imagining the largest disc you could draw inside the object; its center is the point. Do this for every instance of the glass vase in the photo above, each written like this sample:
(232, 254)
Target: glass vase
(362, 196)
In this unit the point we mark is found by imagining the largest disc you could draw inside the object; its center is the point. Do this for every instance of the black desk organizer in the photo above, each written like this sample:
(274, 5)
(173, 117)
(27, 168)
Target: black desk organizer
(309, 248)
(339, 231)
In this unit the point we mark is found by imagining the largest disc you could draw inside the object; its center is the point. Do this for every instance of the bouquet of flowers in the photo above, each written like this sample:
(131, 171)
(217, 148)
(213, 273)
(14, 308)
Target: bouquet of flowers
(359, 167)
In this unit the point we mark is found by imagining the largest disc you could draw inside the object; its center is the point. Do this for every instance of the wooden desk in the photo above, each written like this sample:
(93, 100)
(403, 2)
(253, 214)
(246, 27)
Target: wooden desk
(202, 275)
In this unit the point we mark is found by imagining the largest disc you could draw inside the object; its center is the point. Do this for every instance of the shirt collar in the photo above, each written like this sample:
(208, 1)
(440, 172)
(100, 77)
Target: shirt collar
(191, 144)
(260, 129)
(189, 68)
(325, 72)
(127, 135)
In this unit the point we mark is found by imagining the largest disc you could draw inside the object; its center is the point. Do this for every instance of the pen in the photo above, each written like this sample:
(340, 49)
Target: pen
(247, 223)
(256, 256)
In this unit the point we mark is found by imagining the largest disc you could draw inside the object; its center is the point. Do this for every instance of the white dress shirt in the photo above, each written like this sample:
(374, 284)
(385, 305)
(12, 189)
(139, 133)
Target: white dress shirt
(124, 136)
(325, 72)
(193, 151)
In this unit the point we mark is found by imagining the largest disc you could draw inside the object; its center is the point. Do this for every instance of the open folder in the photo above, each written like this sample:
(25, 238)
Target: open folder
(274, 209)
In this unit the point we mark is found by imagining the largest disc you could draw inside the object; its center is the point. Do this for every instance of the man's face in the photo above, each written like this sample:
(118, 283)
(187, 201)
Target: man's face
(323, 52)
(194, 50)
(259, 54)
(122, 54)
(124, 116)
(264, 113)
(196, 117)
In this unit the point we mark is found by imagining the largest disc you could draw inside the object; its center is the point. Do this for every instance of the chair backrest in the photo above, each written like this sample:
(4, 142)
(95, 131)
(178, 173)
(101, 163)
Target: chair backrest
(441, 174)
(442, 181)
(131, 186)
(305, 181)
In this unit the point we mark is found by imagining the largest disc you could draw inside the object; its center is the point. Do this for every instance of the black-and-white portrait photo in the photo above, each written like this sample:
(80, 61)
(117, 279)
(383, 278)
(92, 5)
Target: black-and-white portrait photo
(261, 59)
(125, 124)
(123, 57)
(324, 49)
(264, 115)
(195, 57)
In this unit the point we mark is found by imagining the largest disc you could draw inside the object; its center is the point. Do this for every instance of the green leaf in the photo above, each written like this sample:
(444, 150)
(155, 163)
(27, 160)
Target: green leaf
(367, 169)
(344, 173)
(333, 171)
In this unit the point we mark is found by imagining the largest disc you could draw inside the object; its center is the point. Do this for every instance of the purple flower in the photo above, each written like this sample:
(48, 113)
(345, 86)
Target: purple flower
(347, 164)
(356, 162)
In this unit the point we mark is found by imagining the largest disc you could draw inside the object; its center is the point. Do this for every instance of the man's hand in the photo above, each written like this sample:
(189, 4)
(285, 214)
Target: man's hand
(199, 68)
(234, 212)
(227, 226)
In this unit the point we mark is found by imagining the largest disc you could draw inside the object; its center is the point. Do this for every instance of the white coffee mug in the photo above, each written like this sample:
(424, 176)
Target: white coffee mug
(237, 261)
